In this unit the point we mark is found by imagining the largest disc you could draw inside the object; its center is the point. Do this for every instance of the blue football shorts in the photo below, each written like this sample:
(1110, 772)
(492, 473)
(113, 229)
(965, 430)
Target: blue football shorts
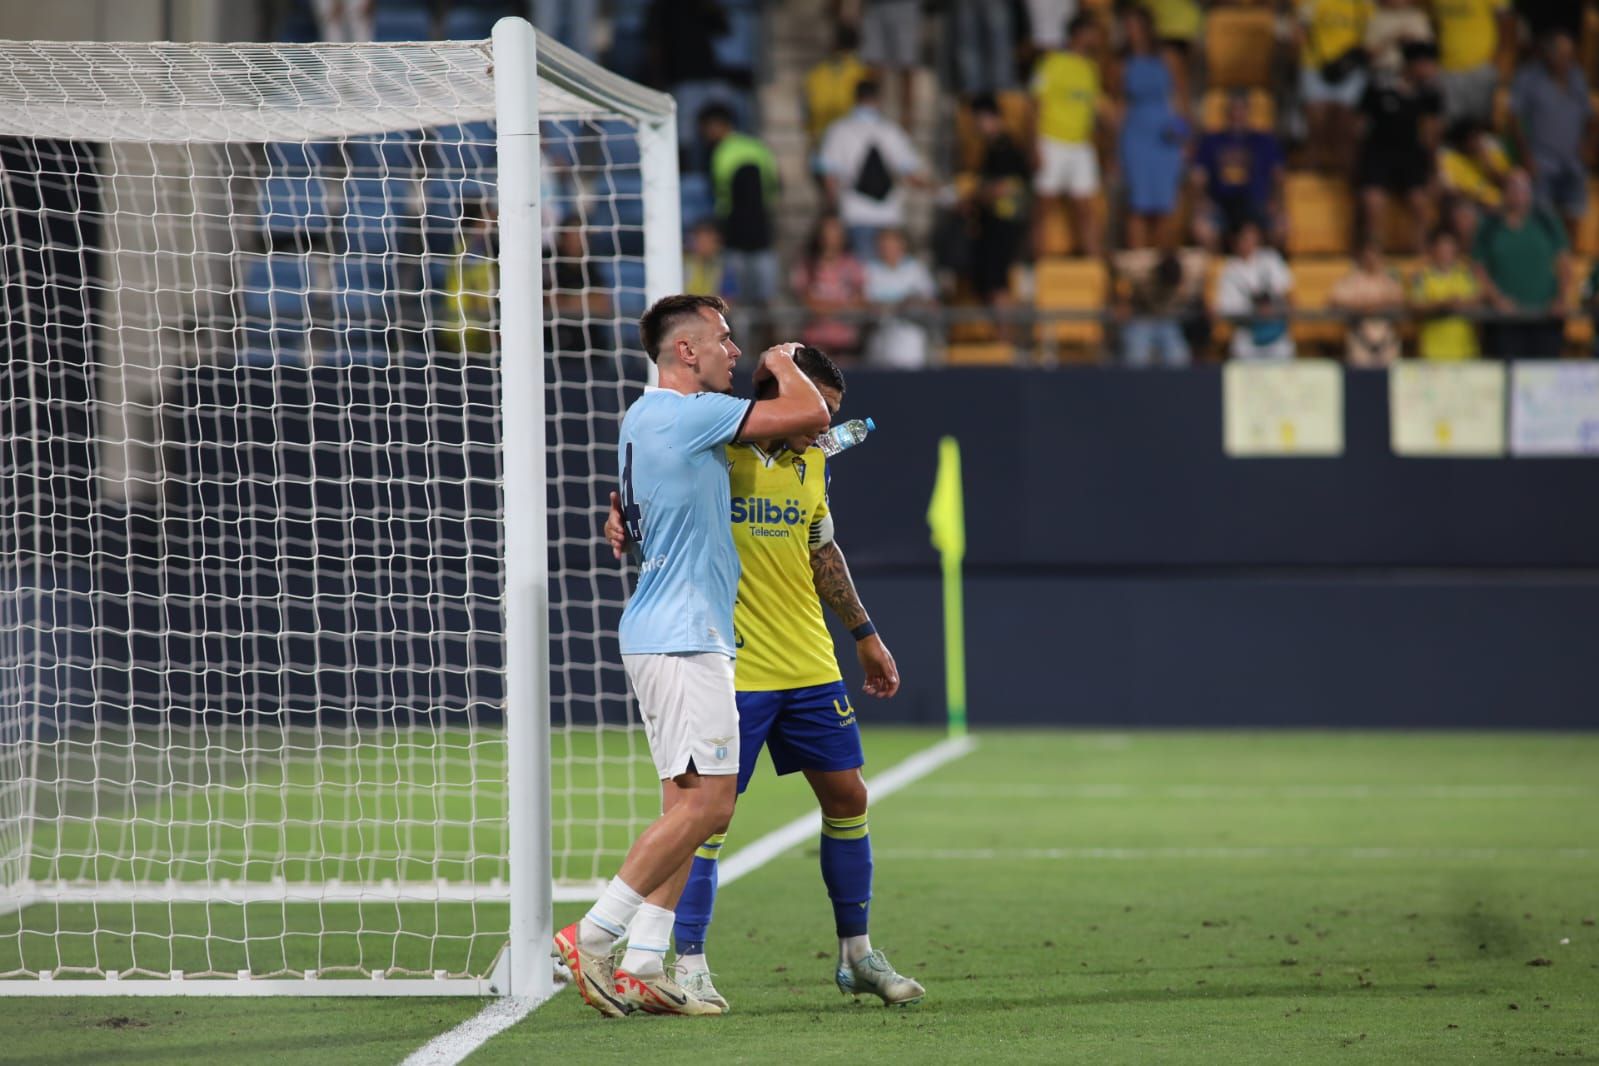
(804, 728)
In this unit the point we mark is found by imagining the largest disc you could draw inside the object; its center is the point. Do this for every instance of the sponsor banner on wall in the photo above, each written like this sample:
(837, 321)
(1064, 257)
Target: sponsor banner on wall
(1554, 408)
(1447, 409)
(1283, 409)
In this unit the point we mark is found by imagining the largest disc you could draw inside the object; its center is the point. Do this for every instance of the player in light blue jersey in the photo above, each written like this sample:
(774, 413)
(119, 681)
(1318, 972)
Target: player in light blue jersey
(677, 632)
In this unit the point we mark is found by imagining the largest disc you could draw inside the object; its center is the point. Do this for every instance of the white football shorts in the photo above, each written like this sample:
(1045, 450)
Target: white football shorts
(690, 712)
(1066, 169)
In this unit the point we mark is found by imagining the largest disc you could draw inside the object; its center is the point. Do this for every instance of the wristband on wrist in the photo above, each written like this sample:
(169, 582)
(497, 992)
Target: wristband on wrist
(862, 631)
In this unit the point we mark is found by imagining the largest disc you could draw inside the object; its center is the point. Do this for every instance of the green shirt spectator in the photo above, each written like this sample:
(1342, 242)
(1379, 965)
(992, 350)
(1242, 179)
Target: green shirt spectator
(1519, 257)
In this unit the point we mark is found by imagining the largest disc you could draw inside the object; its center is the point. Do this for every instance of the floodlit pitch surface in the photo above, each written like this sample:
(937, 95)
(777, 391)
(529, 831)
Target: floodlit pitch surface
(1214, 897)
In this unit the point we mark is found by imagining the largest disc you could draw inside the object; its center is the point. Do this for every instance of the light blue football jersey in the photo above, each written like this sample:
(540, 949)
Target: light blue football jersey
(675, 500)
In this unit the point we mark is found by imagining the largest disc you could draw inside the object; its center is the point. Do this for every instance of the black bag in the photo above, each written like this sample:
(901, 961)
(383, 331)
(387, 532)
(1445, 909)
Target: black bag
(874, 181)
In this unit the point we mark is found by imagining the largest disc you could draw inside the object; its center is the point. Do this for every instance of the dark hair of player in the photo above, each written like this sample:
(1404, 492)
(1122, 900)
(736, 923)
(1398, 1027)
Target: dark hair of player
(667, 312)
(867, 91)
(814, 364)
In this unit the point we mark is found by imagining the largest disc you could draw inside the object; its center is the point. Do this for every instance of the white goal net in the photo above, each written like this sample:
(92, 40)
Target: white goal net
(258, 555)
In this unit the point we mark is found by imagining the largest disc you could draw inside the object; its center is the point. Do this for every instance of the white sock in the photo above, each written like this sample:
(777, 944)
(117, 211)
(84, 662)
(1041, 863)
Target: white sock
(853, 948)
(608, 919)
(647, 940)
(687, 964)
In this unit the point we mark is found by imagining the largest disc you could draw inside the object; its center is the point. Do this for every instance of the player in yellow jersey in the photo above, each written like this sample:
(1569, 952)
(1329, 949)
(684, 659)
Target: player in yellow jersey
(790, 692)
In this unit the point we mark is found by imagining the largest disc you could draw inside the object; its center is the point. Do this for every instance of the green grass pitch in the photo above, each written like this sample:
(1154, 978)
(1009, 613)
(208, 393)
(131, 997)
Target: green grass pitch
(1079, 897)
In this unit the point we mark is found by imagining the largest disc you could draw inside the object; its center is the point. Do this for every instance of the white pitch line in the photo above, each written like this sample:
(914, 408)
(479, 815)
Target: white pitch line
(762, 850)
(1338, 792)
(449, 1049)
(1059, 854)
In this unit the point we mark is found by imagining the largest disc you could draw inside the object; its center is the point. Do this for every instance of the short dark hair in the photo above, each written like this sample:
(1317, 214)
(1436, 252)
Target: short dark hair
(846, 38)
(814, 364)
(717, 112)
(667, 312)
(985, 104)
(1080, 22)
(867, 91)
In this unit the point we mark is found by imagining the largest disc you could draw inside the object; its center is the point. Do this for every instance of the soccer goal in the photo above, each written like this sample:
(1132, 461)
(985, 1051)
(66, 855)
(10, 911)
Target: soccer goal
(315, 358)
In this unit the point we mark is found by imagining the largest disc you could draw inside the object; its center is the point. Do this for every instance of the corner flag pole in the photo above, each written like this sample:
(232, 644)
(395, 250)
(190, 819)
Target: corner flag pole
(946, 517)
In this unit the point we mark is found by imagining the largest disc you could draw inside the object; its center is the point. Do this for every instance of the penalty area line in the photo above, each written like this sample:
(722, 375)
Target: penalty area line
(450, 1048)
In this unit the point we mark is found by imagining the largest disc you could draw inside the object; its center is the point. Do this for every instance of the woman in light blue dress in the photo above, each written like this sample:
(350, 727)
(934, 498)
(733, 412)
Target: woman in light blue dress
(1154, 136)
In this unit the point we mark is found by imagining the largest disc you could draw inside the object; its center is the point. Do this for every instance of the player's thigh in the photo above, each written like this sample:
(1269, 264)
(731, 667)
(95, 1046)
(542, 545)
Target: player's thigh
(757, 711)
(1081, 171)
(816, 730)
(689, 712)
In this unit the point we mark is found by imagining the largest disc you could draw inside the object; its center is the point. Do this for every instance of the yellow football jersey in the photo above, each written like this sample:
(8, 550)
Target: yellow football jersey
(778, 628)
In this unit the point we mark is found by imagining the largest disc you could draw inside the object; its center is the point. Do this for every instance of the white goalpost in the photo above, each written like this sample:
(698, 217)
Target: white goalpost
(316, 356)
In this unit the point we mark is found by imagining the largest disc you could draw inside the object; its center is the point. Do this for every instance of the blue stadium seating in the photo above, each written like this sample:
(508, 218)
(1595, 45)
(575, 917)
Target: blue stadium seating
(696, 201)
(394, 152)
(396, 22)
(293, 204)
(467, 23)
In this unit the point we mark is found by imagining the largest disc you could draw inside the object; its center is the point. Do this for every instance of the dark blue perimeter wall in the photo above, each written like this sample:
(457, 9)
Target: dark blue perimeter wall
(1122, 571)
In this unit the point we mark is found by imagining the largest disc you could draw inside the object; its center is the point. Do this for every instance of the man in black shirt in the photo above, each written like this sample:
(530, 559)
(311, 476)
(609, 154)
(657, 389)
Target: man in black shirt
(1400, 119)
(1000, 202)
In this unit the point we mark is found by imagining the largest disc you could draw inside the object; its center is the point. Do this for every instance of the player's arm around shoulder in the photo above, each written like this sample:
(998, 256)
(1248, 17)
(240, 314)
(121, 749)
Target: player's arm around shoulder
(796, 411)
(836, 588)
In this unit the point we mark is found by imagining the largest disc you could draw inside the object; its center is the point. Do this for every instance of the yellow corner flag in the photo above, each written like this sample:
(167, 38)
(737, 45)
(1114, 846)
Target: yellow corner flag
(946, 517)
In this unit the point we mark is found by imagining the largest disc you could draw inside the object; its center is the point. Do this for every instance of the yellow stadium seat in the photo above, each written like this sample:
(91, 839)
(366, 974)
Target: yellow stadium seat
(1587, 241)
(1262, 110)
(1313, 280)
(1058, 237)
(1071, 285)
(1579, 327)
(980, 353)
(1239, 42)
(1321, 214)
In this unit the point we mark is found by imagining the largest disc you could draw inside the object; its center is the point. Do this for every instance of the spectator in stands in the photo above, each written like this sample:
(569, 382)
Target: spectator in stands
(1252, 291)
(682, 36)
(1401, 134)
(744, 184)
(1154, 136)
(984, 40)
(1178, 24)
(896, 284)
(891, 41)
(339, 21)
(569, 21)
(1238, 171)
(1047, 21)
(830, 90)
(1472, 164)
(1470, 35)
(1544, 17)
(1156, 302)
(1372, 297)
(705, 270)
(1553, 123)
(1390, 26)
(1444, 287)
(1332, 76)
(1069, 103)
(574, 302)
(1524, 267)
(469, 311)
(999, 206)
(831, 280)
(866, 159)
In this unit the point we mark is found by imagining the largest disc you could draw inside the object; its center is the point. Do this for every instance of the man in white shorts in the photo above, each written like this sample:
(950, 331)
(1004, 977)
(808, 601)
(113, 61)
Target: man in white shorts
(1069, 105)
(677, 632)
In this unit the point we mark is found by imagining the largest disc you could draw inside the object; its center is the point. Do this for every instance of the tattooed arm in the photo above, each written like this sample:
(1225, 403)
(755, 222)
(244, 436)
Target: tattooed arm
(836, 588)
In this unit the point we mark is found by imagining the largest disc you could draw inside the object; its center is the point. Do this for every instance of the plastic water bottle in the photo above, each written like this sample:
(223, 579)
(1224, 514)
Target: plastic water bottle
(845, 435)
